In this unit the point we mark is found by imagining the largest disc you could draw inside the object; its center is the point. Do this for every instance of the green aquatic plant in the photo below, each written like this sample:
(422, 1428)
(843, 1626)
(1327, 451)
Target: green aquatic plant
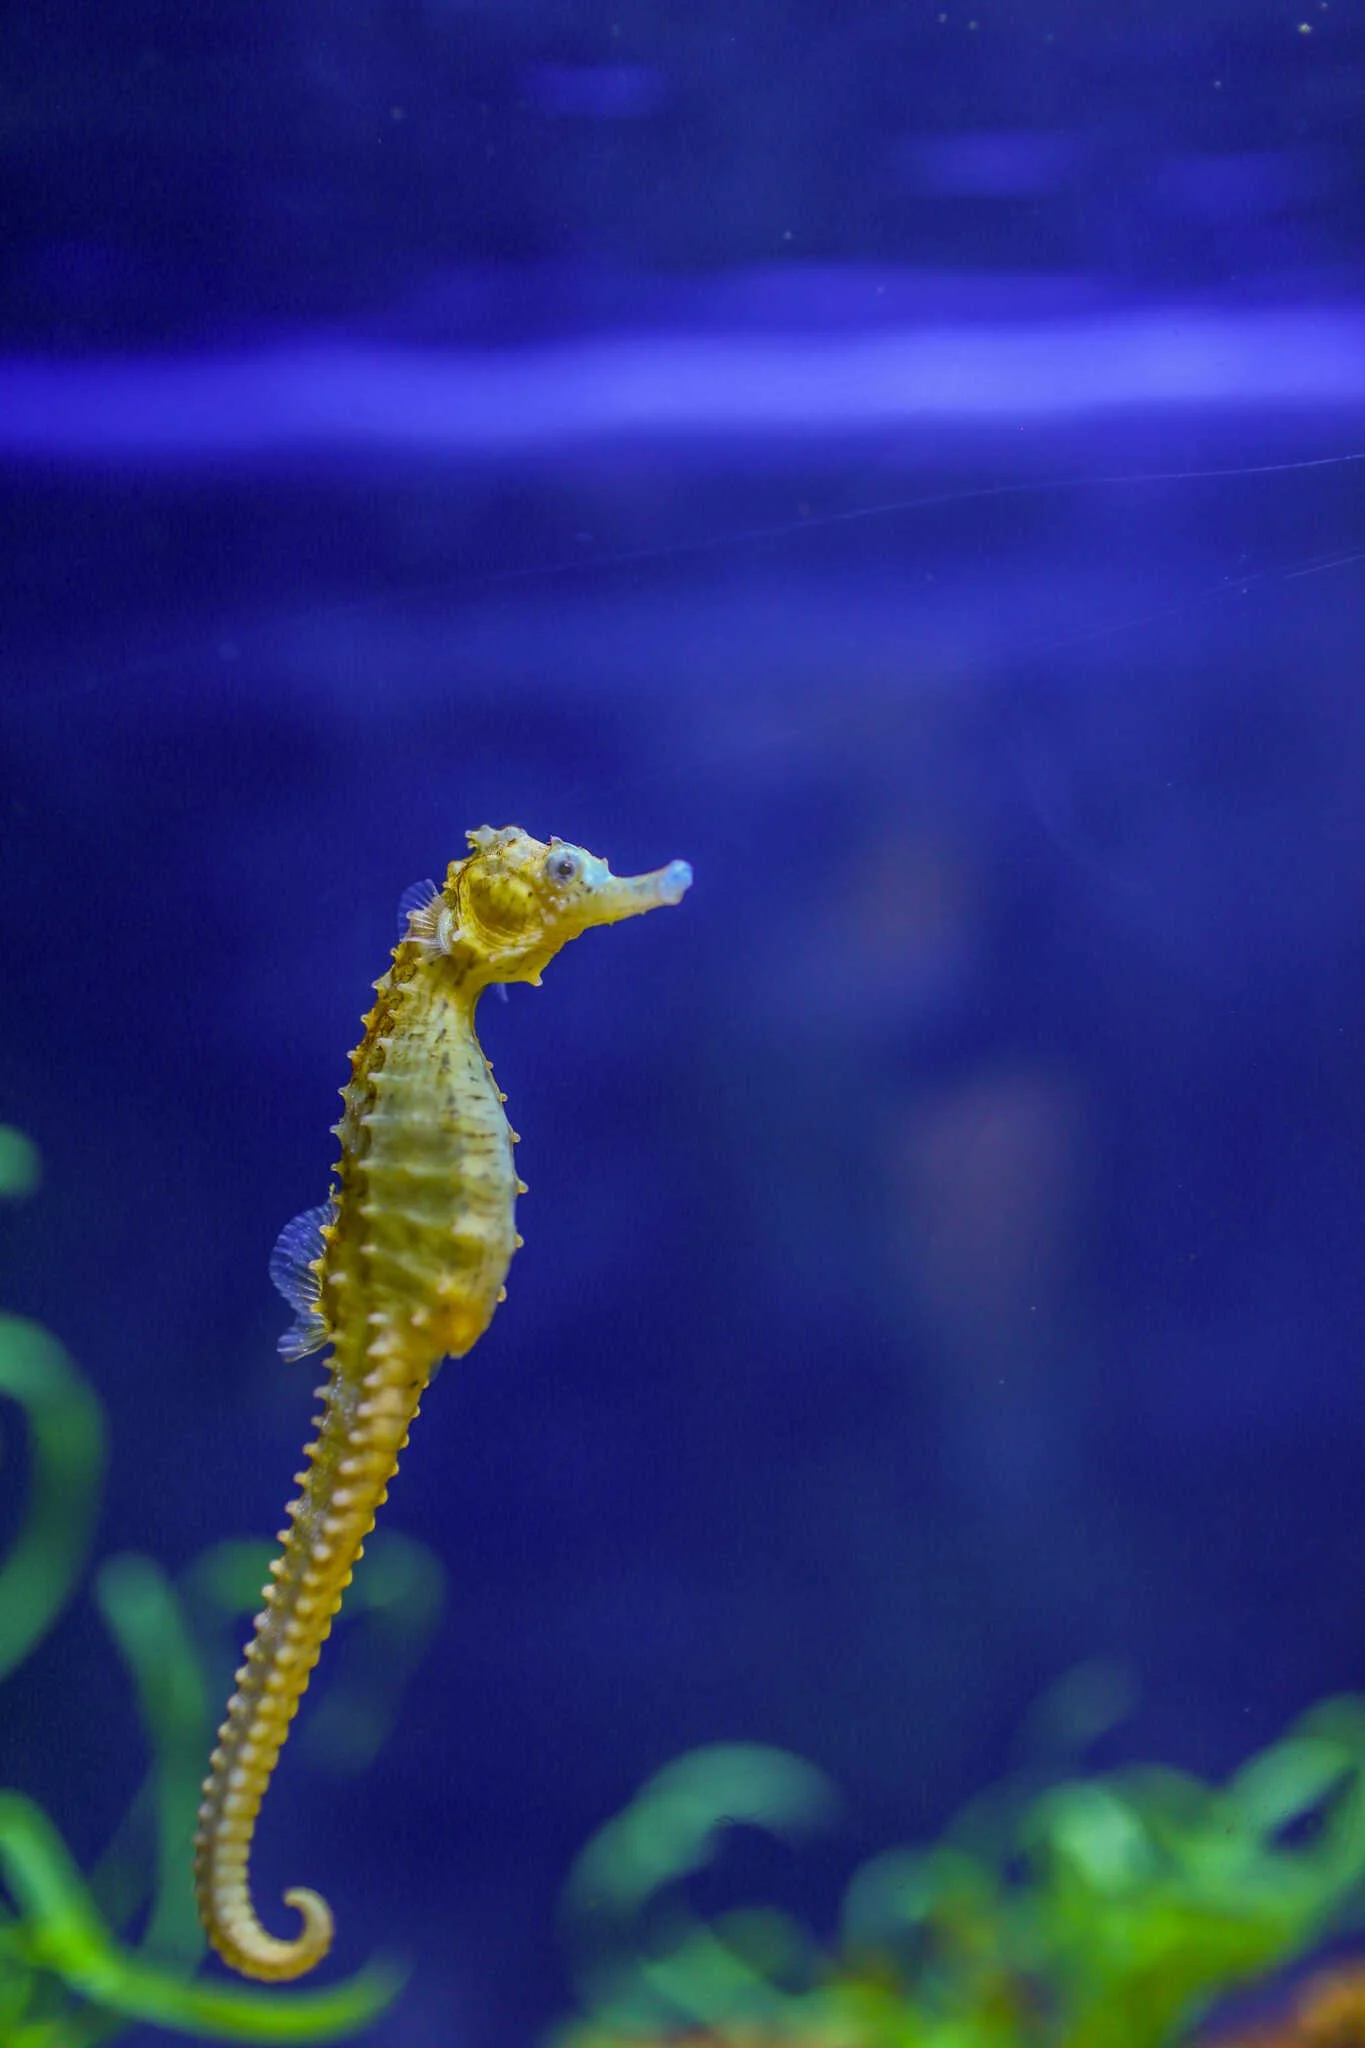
(70, 1975)
(20, 1166)
(1103, 1912)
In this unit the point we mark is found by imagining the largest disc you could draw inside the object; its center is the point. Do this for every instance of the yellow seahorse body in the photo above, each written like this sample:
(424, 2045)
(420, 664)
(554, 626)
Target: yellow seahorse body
(404, 1266)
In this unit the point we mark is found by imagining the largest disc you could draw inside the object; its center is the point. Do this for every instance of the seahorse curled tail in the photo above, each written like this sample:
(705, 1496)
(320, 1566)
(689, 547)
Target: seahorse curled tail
(363, 1428)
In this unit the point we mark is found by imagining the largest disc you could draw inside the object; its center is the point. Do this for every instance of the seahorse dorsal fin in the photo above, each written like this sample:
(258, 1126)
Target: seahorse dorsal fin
(418, 908)
(294, 1270)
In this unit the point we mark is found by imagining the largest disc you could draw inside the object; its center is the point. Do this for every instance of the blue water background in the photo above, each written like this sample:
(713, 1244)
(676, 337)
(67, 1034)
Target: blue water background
(905, 460)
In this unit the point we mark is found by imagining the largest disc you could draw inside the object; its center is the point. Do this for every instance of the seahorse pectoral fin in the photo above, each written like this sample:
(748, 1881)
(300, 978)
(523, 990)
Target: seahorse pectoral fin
(419, 900)
(295, 1266)
(425, 921)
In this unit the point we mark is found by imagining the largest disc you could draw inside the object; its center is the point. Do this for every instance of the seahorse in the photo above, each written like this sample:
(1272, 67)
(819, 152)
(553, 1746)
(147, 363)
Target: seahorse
(402, 1266)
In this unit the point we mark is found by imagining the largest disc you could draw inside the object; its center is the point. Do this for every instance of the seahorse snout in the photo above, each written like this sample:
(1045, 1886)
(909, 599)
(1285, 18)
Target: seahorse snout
(674, 881)
(613, 897)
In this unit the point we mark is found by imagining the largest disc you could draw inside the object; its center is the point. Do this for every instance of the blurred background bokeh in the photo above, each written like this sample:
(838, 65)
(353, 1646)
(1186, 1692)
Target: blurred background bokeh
(905, 457)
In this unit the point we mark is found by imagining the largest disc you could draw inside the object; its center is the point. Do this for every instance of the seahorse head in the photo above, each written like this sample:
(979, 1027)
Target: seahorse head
(516, 900)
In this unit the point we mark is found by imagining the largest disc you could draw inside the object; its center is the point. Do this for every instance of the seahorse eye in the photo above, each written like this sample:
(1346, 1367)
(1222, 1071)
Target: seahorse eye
(561, 865)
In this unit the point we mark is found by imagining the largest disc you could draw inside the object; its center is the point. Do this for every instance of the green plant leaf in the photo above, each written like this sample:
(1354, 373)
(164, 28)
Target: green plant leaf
(21, 1168)
(144, 1617)
(66, 1937)
(65, 1479)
